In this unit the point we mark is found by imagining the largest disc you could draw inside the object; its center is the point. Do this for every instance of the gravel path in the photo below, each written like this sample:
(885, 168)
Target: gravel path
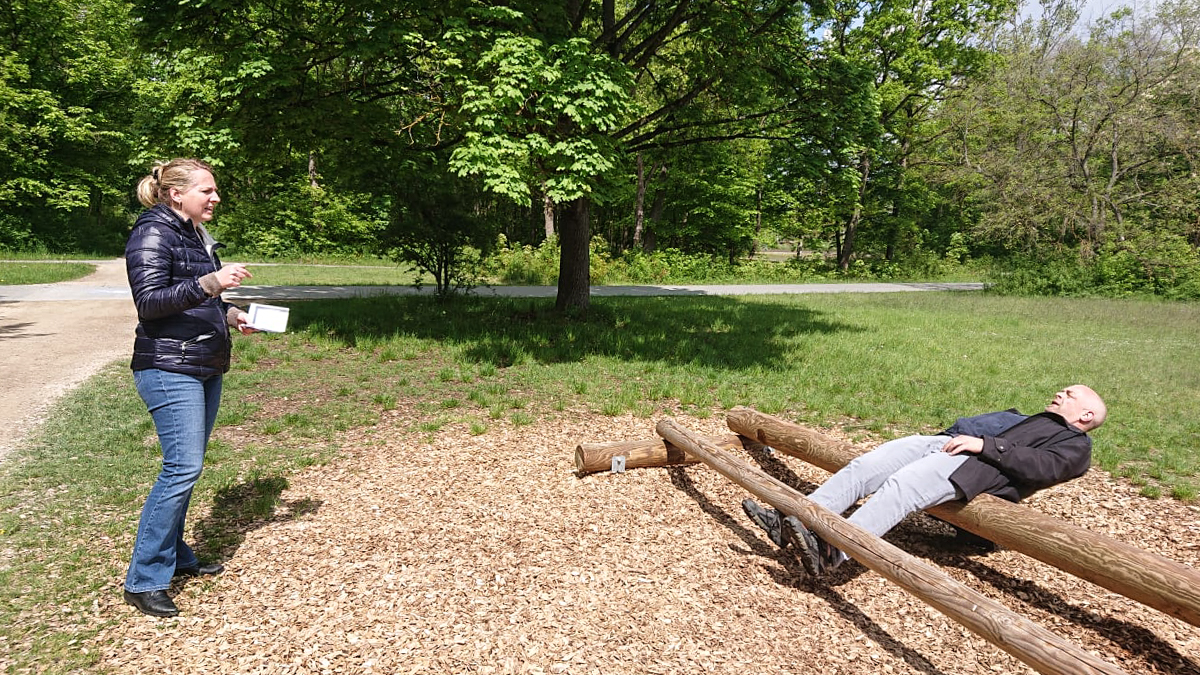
(47, 348)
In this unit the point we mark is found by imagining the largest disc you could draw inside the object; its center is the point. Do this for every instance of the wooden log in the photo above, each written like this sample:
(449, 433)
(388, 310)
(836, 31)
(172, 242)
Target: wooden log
(1149, 578)
(1024, 639)
(592, 457)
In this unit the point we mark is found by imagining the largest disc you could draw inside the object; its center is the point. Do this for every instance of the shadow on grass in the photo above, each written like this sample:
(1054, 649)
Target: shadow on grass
(244, 507)
(709, 331)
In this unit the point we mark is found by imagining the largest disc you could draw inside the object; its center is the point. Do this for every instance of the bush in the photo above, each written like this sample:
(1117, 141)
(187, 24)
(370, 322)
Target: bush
(1149, 264)
(1063, 275)
(523, 265)
(301, 220)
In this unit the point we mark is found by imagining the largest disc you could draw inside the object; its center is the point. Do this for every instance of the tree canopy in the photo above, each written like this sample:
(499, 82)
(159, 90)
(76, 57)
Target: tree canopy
(876, 131)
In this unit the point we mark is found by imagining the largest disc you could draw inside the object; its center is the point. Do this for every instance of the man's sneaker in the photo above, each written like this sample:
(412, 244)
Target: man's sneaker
(805, 545)
(767, 519)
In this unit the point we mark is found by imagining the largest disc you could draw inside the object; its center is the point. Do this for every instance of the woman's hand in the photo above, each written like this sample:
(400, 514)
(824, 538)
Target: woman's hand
(231, 275)
(243, 324)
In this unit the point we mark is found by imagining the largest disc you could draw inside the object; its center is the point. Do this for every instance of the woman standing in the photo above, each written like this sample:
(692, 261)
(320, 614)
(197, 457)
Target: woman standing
(180, 354)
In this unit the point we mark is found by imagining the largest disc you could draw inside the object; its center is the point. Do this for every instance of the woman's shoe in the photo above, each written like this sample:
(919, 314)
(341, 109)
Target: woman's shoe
(154, 603)
(201, 570)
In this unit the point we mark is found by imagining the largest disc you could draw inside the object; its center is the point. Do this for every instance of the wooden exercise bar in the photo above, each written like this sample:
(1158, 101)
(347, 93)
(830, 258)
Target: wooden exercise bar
(1024, 639)
(1151, 579)
(592, 457)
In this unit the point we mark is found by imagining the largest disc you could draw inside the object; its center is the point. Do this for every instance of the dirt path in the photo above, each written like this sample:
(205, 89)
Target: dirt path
(47, 348)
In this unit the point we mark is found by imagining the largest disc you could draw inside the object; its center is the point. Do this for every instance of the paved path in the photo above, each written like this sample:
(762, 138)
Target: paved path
(54, 336)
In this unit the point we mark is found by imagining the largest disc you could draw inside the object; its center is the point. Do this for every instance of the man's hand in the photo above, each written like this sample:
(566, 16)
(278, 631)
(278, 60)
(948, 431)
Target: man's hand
(959, 444)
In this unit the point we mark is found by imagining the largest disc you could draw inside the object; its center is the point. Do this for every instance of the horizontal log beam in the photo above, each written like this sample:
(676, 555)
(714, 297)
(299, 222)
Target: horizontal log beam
(649, 452)
(1149, 578)
(1024, 639)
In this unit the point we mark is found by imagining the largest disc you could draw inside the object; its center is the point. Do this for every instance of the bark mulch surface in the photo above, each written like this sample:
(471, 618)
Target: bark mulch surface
(451, 553)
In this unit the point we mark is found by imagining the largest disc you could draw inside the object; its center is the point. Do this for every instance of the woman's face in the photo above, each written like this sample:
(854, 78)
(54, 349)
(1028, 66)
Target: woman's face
(197, 202)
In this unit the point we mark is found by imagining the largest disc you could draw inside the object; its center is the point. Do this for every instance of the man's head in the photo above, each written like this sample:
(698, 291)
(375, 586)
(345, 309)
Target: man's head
(1079, 405)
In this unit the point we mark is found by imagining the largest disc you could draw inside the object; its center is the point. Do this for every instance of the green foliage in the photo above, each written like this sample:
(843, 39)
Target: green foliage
(1160, 264)
(66, 77)
(443, 226)
(1155, 263)
(538, 266)
(537, 115)
(1078, 138)
(302, 219)
(524, 265)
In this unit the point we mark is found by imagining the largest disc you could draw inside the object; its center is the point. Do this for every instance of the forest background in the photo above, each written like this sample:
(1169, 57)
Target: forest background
(571, 142)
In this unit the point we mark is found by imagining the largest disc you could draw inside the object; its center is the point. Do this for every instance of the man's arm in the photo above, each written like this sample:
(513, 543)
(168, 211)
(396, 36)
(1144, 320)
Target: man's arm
(1035, 467)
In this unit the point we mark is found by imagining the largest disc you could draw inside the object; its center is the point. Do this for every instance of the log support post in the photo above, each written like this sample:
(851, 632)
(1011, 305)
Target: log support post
(593, 457)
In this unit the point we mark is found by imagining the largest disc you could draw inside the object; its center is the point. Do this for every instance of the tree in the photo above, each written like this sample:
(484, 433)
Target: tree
(1079, 141)
(917, 53)
(66, 91)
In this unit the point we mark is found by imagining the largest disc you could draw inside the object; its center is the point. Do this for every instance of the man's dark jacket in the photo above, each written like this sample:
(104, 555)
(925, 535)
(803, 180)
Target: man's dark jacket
(1021, 455)
(181, 328)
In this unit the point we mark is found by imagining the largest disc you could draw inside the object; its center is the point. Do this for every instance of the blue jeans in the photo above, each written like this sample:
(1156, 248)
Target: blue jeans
(901, 476)
(184, 408)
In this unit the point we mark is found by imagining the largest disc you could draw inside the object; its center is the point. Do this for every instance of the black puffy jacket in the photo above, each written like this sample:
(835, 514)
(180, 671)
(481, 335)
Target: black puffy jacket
(181, 328)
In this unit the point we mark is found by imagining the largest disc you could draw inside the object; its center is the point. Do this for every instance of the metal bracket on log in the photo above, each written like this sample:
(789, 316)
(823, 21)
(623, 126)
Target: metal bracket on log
(618, 464)
(1024, 639)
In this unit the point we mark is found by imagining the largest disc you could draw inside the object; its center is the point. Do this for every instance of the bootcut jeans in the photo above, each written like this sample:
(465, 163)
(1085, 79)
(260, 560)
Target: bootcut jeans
(902, 476)
(184, 408)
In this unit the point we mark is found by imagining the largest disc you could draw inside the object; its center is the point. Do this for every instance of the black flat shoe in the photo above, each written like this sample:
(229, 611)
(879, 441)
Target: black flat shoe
(201, 570)
(153, 603)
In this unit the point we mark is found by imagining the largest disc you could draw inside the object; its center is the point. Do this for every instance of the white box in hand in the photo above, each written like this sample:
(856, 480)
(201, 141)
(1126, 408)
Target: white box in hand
(268, 318)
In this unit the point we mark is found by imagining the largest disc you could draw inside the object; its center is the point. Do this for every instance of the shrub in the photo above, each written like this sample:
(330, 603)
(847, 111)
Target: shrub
(524, 265)
(302, 220)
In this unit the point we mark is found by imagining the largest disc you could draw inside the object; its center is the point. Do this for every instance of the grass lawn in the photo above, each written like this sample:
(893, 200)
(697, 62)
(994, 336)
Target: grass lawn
(369, 273)
(874, 365)
(13, 273)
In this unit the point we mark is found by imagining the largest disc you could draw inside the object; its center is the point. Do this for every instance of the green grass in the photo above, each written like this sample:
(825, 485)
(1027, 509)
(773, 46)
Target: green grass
(380, 274)
(876, 365)
(13, 273)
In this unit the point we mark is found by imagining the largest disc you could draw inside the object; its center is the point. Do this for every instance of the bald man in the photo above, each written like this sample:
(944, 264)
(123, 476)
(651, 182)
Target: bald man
(1005, 453)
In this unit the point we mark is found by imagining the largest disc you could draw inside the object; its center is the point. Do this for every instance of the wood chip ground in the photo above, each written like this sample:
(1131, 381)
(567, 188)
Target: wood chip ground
(453, 553)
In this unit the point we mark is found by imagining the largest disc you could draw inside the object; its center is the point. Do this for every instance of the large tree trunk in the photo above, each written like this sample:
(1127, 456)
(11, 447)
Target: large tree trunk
(847, 249)
(574, 272)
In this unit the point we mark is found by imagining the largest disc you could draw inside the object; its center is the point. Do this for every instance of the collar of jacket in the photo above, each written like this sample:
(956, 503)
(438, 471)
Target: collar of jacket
(166, 215)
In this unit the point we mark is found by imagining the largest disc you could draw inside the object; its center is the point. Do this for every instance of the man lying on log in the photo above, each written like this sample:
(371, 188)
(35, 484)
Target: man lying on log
(1004, 453)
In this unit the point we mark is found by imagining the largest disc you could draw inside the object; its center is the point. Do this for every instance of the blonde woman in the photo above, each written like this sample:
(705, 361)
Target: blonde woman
(180, 353)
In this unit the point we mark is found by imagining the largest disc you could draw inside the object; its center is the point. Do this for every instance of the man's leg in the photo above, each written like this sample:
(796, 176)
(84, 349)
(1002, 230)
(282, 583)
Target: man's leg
(915, 487)
(866, 474)
(862, 476)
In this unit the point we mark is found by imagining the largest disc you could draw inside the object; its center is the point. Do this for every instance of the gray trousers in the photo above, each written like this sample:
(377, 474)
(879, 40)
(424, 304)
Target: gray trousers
(901, 476)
